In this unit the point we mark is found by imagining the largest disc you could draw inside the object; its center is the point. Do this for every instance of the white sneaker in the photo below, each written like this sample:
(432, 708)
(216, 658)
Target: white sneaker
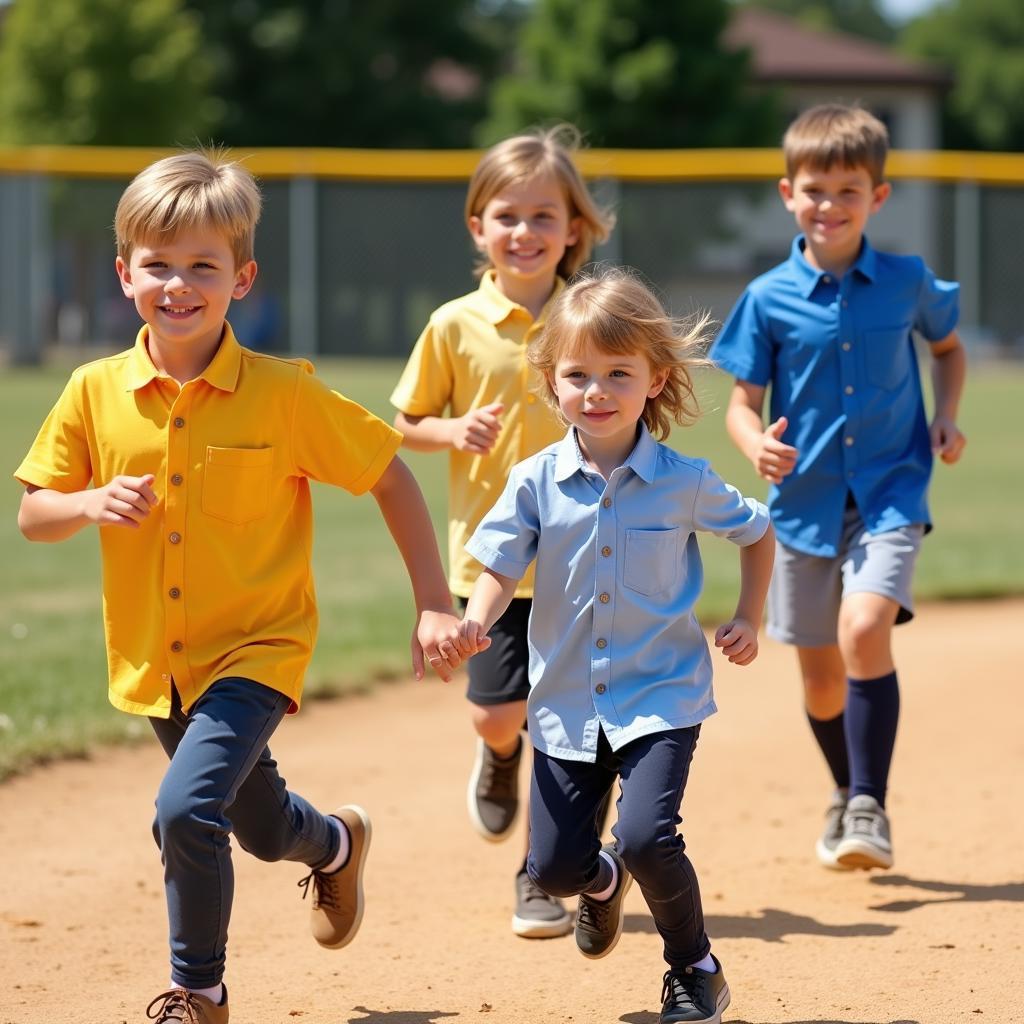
(866, 841)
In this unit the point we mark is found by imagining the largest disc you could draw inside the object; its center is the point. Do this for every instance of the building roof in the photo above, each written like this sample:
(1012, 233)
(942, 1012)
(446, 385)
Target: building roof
(783, 50)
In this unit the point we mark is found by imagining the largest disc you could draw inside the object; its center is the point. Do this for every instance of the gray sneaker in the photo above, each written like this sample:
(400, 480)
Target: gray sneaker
(538, 915)
(599, 922)
(833, 832)
(866, 841)
(493, 794)
(690, 995)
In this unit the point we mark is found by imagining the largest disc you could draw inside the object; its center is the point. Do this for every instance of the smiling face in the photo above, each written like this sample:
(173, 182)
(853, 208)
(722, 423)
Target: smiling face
(182, 288)
(831, 208)
(524, 230)
(603, 394)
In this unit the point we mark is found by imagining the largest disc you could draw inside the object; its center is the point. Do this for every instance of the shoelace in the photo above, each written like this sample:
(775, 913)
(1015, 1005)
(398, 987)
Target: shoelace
(499, 777)
(864, 823)
(531, 892)
(323, 891)
(593, 914)
(686, 988)
(175, 1005)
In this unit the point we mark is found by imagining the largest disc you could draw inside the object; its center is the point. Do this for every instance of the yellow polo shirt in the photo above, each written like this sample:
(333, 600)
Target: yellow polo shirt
(217, 580)
(473, 353)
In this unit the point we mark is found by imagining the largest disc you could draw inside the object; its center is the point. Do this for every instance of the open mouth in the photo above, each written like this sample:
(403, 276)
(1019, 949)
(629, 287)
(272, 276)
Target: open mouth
(178, 312)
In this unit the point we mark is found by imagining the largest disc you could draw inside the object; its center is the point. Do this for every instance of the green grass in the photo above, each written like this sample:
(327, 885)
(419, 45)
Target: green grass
(52, 665)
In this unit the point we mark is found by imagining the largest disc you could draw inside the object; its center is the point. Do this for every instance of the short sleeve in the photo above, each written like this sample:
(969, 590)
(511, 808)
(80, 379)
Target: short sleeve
(720, 509)
(743, 347)
(337, 441)
(506, 539)
(425, 387)
(938, 307)
(59, 458)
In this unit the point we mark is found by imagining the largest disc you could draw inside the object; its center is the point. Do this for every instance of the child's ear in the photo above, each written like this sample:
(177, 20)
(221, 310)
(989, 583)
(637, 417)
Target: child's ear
(124, 277)
(658, 383)
(572, 236)
(786, 192)
(476, 231)
(244, 277)
(879, 195)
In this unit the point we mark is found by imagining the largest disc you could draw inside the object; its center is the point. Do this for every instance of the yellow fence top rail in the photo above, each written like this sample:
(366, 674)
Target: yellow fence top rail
(661, 165)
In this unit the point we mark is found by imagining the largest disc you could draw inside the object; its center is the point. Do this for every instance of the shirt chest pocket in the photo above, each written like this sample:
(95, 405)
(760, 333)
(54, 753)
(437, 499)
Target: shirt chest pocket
(886, 353)
(651, 563)
(236, 483)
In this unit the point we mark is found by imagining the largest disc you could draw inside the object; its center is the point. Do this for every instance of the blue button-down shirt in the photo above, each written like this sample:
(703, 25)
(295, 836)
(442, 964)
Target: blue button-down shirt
(614, 642)
(840, 360)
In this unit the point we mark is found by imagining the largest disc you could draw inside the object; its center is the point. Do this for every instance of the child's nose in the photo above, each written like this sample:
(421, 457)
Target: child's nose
(176, 283)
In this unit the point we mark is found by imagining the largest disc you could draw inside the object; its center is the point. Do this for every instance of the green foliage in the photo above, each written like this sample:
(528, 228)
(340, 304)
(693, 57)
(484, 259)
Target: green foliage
(632, 73)
(857, 17)
(982, 42)
(103, 72)
(386, 74)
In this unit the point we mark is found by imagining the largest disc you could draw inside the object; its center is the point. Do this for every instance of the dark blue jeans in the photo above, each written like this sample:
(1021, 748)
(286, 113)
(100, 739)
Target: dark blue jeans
(223, 780)
(564, 841)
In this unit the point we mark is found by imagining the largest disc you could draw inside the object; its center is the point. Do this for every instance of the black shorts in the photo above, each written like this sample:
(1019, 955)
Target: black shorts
(499, 674)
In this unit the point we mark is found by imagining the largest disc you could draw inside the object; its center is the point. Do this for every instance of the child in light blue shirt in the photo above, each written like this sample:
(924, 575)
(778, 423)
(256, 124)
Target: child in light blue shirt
(620, 672)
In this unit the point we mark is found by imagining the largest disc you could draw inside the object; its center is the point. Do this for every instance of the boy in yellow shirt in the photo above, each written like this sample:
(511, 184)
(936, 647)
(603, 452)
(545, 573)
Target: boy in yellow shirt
(200, 453)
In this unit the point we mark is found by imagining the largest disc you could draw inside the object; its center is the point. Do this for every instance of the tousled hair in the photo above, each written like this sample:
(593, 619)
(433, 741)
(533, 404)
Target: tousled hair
(614, 310)
(197, 189)
(540, 153)
(831, 135)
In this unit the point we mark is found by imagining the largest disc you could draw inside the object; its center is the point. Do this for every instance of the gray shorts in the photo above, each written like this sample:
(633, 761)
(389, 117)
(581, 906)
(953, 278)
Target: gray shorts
(806, 590)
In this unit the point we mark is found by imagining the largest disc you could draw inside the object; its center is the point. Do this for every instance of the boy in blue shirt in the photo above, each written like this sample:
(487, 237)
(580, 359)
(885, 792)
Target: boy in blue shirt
(848, 451)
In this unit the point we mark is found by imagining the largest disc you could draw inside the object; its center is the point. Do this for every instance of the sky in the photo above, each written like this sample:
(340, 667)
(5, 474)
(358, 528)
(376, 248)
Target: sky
(902, 10)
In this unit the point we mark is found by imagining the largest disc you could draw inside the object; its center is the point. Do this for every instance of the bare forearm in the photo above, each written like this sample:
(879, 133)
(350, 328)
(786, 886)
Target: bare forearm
(756, 562)
(424, 433)
(492, 594)
(50, 516)
(408, 520)
(949, 371)
(745, 428)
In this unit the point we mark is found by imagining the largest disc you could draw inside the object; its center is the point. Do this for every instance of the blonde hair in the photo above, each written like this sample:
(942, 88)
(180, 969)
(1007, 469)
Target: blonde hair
(532, 155)
(616, 312)
(832, 134)
(199, 189)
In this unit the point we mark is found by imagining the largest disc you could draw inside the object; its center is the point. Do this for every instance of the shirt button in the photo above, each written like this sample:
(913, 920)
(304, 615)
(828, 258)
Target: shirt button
(600, 688)
(174, 592)
(846, 346)
(604, 598)
(606, 551)
(607, 502)
(179, 422)
(177, 646)
(848, 389)
(602, 643)
(177, 479)
(845, 304)
(827, 279)
(849, 442)
(166, 678)
(175, 538)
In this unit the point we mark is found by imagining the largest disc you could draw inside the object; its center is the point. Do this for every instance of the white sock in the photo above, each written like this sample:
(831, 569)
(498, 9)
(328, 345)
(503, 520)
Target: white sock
(214, 994)
(606, 894)
(707, 964)
(343, 849)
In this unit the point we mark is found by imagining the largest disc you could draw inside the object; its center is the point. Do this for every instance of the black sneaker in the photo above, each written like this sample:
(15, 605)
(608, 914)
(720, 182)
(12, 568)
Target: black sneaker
(832, 832)
(538, 915)
(690, 995)
(493, 794)
(599, 922)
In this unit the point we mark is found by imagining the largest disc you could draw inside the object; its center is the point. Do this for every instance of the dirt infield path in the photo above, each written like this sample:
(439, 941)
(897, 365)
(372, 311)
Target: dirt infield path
(938, 939)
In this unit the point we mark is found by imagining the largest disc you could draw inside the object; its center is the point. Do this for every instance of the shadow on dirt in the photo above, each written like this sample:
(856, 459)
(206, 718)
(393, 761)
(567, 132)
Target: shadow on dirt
(948, 892)
(770, 926)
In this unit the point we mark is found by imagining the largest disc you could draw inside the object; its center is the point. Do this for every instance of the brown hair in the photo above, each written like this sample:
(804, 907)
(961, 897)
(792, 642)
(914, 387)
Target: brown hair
(535, 154)
(832, 134)
(195, 189)
(614, 310)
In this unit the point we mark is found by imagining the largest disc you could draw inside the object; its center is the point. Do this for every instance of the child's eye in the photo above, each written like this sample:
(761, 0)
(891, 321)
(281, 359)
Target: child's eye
(205, 266)
(154, 265)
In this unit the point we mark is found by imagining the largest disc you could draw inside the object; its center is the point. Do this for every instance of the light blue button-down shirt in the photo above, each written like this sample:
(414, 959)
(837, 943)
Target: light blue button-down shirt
(840, 360)
(614, 642)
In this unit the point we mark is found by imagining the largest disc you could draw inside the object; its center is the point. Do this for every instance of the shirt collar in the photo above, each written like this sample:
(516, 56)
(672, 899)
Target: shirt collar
(643, 459)
(497, 307)
(222, 373)
(807, 277)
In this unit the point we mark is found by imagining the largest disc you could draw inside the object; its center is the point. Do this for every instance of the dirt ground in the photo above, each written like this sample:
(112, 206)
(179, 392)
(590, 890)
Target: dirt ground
(939, 938)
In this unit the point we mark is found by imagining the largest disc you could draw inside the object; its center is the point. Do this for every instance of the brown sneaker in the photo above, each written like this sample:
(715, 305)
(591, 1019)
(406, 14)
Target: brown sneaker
(337, 909)
(179, 1006)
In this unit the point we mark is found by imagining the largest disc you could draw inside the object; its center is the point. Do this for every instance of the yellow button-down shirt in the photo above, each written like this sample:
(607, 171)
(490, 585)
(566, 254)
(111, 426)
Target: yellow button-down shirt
(470, 354)
(217, 581)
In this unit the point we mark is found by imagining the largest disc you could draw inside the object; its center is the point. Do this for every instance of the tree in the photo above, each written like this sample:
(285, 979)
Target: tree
(390, 73)
(857, 17)
(632, 73)
(103, 72)
(982, 42)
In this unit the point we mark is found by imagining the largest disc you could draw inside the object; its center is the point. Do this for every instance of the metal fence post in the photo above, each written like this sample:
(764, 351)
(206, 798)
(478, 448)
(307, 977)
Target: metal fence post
(967, 253)
(26, 263)
(303, 319)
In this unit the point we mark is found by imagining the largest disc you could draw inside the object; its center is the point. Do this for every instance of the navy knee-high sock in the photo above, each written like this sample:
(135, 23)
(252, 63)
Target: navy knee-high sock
(830, 734)
(872, 713)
